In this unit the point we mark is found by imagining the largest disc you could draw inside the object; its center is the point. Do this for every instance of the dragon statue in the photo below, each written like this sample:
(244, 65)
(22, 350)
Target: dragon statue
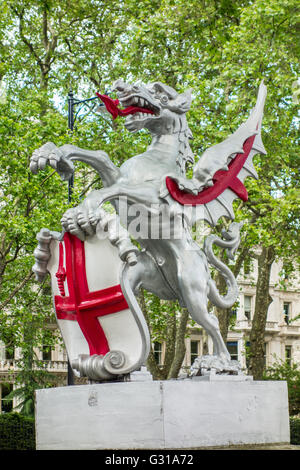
(154, 183)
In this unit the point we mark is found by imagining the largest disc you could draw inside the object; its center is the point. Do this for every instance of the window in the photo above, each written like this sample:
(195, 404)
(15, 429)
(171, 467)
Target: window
(7, 347)
(233, 313)
(9, 352)
(287, 269)
(2, 350)
(232, 347)
(47, 345)
(157, 350)
(286, 311)
(288, 355)
(46, 353)
(194, 350)
(247, 306)
(247, 266)
(6, 404)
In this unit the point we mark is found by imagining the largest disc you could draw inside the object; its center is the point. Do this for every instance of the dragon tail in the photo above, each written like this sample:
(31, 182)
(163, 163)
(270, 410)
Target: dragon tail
(231, 244)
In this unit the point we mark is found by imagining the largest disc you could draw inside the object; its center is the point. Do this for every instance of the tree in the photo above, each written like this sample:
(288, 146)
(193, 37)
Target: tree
(24, 310)
(273, 197)
(167, 323)
(221, 49)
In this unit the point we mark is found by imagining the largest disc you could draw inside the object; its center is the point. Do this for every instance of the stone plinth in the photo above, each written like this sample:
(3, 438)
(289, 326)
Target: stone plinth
(179, 414)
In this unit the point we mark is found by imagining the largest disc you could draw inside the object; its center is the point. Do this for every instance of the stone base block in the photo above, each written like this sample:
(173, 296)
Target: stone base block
(179, 414)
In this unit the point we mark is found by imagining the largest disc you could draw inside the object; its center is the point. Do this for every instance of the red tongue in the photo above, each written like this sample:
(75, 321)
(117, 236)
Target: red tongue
(112, 107)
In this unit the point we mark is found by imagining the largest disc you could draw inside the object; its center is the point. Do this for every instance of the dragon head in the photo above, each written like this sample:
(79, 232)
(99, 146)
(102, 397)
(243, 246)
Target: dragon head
(154, 106)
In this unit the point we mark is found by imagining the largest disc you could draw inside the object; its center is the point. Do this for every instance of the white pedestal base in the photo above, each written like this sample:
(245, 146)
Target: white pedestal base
(182, 414)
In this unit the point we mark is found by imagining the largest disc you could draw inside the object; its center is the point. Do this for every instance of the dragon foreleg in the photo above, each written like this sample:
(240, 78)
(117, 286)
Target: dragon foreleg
(97, 159)
(61, 158)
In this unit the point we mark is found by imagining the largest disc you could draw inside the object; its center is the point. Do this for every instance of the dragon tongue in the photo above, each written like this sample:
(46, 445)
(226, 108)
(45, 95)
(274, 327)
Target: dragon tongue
(133, 110)
(110, 104)
(112, 107)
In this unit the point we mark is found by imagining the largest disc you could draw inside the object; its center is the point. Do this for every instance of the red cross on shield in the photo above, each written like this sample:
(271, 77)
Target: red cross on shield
(91, 310)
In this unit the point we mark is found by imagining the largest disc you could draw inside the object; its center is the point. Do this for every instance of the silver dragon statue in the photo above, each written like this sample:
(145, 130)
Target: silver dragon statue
(154, 183)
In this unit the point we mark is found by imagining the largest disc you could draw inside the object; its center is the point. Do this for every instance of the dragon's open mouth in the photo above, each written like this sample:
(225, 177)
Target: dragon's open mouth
(134, 105)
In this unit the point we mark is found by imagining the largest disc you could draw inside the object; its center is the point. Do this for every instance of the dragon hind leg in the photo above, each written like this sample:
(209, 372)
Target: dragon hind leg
(194, 286)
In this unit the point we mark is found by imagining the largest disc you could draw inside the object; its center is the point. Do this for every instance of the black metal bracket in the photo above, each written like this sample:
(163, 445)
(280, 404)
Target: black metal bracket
(73, 102)
(72, 116)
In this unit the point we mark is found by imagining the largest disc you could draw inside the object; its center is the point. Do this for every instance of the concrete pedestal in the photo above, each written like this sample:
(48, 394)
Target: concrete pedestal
(182, 414)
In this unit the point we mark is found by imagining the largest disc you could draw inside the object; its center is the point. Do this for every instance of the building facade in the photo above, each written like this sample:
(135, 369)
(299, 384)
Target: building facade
(282, 334)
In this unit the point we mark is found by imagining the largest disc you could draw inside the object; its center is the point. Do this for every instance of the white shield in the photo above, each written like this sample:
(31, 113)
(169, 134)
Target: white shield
(102, 335)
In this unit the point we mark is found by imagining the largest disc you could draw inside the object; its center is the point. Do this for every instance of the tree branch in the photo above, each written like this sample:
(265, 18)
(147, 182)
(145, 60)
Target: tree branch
(24, 38)
(16, 289)
(45, 29)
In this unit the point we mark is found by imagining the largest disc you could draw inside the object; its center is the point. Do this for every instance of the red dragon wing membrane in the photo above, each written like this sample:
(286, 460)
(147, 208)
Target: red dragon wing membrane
(221, 170)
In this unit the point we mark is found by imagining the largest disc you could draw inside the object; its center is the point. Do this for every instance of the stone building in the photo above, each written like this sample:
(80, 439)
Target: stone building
(282, 336)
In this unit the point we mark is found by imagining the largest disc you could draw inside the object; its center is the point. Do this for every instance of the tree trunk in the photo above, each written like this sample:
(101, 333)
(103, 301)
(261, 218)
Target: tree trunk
(175, 344)
(262, 302)
(170, 342)
(179, 345)
(205, 350)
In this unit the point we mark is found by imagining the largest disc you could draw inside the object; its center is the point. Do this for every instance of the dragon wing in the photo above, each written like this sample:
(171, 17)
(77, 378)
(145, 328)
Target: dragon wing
(221, 170)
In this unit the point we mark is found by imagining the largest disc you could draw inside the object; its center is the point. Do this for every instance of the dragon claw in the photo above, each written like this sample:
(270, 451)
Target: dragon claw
(84, 223)
(77, 222)
(54, 157)
(94, 217)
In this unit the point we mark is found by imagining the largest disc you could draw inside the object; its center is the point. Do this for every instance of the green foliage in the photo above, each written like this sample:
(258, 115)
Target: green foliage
(161, 315)
(17, 432)
(295, 430)
(32, 376)
(25, 209)
(220, 49)
(282, 370)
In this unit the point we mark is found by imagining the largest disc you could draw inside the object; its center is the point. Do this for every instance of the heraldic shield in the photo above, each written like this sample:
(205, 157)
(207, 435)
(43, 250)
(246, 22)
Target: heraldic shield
(101, 323)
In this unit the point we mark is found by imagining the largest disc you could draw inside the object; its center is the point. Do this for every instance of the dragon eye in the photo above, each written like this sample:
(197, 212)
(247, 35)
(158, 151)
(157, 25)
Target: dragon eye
(164, 98)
